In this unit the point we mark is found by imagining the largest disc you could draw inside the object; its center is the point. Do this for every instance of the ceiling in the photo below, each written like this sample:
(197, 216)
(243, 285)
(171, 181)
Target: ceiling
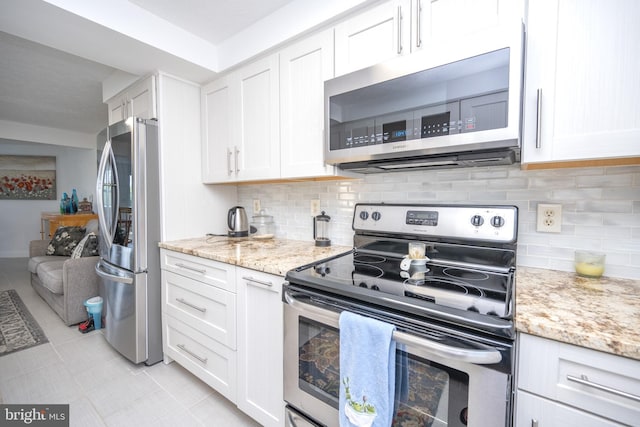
(53, 60)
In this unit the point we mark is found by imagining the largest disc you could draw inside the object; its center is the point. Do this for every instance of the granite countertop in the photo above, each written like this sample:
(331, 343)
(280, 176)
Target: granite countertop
(274, 256)
(602, 314)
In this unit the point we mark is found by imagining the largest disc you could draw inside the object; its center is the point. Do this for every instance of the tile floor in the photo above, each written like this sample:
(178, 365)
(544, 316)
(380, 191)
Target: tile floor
(102, 388)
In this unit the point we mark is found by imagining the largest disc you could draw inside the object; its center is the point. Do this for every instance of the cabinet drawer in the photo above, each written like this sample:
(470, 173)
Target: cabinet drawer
(531, 408)
(204, 270)
(205, 308)
(597, 382)
(207, 359)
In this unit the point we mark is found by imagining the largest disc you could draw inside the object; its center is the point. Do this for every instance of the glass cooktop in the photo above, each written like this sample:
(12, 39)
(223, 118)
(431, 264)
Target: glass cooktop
(467, 279)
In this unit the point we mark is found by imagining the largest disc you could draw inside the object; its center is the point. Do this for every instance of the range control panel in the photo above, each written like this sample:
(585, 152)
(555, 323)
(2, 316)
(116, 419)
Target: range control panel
(488, 223)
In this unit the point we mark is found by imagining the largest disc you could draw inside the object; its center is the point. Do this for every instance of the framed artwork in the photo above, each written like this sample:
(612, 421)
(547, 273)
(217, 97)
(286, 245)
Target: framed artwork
(27, 177)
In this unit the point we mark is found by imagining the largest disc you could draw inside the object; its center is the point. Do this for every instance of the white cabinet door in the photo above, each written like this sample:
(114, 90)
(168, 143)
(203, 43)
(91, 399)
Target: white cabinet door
(373, 36)
(218, 159)
(304, 67)
(260, 352)
(445, 21)
(142, 98)
(532, 410)
(582, 61)
(138, 100)
(257, 149)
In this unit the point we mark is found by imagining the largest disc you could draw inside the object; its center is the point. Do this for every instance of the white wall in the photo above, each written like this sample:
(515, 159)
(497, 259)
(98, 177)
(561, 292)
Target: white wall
(189, 207)
(20, 219)
(600, 207)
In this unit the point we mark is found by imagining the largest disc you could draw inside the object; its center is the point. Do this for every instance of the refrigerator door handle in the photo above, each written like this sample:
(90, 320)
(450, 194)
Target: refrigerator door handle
(108, 229)
(121, 279)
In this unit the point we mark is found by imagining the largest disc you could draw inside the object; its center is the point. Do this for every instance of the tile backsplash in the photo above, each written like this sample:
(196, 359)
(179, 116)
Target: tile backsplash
(600, 207)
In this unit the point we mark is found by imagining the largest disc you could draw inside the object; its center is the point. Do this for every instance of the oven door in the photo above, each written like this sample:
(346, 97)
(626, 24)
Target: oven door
(436, 384)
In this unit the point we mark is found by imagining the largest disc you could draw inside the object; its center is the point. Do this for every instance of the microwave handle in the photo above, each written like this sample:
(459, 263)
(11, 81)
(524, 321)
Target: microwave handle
(486, 356)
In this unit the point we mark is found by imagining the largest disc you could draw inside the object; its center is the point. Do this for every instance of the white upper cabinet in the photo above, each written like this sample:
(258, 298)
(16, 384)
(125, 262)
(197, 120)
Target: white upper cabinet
(304, 67)
(241, 132)
(373, 36)
(257, 151)
(582, 76)
(217, 146)
(138, 100)
(444, 21)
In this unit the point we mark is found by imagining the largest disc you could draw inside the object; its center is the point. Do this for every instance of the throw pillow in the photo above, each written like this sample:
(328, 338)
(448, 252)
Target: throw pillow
(88, 246)
(65, 240)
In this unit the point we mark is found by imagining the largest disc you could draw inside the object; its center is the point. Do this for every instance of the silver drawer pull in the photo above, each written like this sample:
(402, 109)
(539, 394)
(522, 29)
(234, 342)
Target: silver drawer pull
(534, 423)
(584, 380)
(260, 282)
(187, 267)
(183, 301)
(191, 353)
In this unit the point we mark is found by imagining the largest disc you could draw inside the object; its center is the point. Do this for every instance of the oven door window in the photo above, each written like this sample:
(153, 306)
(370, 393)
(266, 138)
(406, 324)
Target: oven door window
(427, 394)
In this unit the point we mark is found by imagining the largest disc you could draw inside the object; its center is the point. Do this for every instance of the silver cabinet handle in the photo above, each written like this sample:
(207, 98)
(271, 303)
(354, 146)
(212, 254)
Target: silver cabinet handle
(584, 380)
(187, 267)
(539, 119)
(191, 353)
(237, 152)
(187, 303)
(260, 282)
(229, 154)
(534, 423)
(418, 23)
(399, 29)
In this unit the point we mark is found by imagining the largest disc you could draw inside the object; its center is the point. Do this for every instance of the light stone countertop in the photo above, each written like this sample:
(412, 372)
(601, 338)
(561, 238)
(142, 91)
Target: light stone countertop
(602, 314)
(274, 256)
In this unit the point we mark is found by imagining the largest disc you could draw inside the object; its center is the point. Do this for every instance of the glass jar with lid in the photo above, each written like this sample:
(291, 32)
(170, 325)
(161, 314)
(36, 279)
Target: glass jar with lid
(262, 226)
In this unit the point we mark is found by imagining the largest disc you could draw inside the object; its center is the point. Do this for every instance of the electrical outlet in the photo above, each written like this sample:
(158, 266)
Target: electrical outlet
(549, 218)
(256, 205)
(315, 207)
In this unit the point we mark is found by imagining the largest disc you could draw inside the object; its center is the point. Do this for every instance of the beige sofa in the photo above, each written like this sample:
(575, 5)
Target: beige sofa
(63, 282)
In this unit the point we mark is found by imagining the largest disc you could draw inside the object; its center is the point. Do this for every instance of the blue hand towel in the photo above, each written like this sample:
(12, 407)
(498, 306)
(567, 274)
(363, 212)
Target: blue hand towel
(367, 371)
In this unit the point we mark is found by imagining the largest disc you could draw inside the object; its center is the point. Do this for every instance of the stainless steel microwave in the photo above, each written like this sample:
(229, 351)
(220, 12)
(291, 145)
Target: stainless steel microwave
(450, 105)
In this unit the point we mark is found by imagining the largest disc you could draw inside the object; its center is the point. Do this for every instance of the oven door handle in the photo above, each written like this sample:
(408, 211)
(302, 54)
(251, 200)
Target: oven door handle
(487, 356)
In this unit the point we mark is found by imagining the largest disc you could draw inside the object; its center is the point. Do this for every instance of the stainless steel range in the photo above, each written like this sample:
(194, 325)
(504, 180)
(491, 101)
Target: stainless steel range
(453, 312)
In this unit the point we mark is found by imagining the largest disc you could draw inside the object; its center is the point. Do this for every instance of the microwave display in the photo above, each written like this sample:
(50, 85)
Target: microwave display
(396, 131)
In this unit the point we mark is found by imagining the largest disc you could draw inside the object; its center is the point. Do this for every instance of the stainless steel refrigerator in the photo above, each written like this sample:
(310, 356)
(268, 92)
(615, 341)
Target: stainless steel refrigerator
(128, 207)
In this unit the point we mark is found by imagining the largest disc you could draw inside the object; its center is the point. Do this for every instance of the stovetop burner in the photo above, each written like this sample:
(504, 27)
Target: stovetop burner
(470, 267)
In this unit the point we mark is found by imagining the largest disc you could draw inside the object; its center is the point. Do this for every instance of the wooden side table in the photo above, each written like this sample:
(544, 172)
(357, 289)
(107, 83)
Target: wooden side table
(55, 220)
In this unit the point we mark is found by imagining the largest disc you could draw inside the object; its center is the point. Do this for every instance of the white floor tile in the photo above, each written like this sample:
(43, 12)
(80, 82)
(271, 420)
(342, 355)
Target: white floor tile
(102, 387)
(180, 383)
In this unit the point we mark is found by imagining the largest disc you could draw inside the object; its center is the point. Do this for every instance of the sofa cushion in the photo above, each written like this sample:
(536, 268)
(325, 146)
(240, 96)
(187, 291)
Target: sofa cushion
(50, 275)
(88, 246)
(35, 261)
(64, 240)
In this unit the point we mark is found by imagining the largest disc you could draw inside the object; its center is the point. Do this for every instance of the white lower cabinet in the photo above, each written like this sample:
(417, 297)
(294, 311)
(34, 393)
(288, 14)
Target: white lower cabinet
(260, 353)
(565, 385)
(199, 318)
(224, 324)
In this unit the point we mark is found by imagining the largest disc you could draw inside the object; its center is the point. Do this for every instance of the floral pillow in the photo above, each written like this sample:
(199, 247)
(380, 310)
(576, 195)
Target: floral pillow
(88, 246)
(65, 240)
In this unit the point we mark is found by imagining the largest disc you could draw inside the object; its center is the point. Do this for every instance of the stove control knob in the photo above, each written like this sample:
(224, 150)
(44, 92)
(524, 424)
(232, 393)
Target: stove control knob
(363, 285)
(497, 221)
(375, 287)
(364, 215)
(477, 220)
(376, 216)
